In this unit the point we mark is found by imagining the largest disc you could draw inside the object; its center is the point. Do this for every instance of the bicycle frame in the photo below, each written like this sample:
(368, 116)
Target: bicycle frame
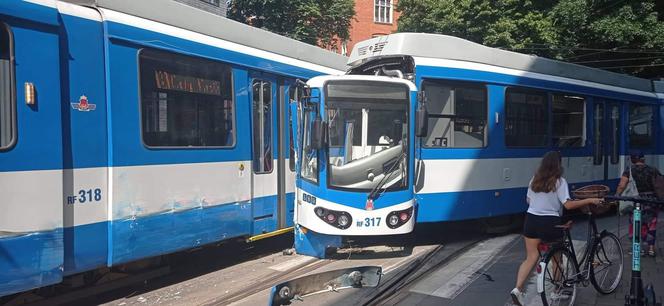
(584, 265)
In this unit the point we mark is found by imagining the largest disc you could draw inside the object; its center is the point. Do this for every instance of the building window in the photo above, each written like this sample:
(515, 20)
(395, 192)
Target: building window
(526, 118)
(569, 121)
(212, 2)
(185, 101)
(7, 97)
(457, 115)
(640, 125)
(262, 125)
(383, 11)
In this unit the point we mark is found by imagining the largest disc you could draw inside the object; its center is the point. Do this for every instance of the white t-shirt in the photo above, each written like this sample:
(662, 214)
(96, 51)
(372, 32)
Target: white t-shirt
(548, 203)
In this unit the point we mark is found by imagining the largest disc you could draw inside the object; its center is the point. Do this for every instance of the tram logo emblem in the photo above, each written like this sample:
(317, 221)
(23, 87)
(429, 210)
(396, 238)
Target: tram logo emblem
(83, 105)
(369, 205)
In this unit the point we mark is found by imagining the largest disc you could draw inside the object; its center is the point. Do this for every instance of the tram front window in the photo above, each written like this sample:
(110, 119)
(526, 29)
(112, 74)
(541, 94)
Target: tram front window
(368, 135)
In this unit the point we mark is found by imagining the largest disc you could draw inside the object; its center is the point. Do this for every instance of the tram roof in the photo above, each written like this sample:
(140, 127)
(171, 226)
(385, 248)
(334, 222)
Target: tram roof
(446, 47)
(183, 16)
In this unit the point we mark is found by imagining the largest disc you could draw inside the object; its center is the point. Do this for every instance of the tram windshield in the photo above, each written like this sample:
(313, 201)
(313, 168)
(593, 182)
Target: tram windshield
(368, 135)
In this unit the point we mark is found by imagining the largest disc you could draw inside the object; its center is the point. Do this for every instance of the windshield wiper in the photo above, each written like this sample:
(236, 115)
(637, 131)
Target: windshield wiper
(374, 192)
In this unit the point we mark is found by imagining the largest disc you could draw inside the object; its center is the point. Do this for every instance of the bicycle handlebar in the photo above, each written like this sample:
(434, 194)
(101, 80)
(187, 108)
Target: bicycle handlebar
(635, 199)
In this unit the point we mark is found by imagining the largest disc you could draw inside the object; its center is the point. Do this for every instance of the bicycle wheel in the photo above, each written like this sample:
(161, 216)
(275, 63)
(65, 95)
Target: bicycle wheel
(556, 280)
(607, 263)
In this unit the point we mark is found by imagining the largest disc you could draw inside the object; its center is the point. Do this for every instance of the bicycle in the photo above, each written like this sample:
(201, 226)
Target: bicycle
(558, 270)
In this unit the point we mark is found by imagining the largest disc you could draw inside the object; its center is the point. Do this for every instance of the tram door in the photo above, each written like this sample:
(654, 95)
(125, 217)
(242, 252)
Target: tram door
(268, 101)
(606, 142)
(31, 151)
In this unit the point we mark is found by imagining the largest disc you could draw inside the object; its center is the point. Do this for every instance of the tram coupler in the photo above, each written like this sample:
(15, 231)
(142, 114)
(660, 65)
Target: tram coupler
(314, 244)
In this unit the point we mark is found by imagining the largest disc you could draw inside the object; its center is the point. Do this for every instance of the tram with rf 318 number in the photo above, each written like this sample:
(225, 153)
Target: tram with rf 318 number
(432, 128)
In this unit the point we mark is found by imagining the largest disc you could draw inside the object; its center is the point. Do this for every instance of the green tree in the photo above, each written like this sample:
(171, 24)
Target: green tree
(619, 35)
(317, 22)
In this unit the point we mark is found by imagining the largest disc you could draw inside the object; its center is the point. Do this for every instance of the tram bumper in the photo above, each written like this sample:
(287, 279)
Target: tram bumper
(330, 218)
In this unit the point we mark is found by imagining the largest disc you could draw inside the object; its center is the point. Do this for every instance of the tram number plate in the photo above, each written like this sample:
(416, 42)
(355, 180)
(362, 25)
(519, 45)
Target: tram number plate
(369, 222)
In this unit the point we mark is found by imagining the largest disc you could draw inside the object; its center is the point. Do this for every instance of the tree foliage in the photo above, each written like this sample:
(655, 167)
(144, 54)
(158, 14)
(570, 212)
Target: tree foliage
(317, 22)
(619, 35)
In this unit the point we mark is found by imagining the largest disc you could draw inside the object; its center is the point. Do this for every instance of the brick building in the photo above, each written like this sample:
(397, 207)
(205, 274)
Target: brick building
(217, 7)
(372, 18)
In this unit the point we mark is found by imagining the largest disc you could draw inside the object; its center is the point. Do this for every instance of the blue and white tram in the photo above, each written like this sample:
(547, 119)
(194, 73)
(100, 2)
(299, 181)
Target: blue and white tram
(130, 129)
(490, 116)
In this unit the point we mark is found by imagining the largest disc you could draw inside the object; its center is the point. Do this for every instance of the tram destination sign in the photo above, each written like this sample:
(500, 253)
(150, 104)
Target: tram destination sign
(169, 81)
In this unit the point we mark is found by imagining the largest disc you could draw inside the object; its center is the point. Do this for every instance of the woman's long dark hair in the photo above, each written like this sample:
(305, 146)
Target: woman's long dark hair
(548, 173)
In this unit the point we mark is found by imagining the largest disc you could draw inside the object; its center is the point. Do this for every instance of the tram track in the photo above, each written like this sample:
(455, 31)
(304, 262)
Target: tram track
(269, 282)
(416, 270)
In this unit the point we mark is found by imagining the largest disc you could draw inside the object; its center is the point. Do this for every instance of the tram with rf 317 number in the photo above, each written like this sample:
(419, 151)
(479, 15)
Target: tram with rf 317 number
(432, 128)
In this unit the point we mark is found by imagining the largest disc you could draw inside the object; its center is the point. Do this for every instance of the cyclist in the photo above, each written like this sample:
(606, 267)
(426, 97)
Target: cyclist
(547, 194)
(644, 176)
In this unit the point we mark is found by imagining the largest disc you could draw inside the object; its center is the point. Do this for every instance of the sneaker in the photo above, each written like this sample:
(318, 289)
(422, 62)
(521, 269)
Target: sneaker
(517, 296)
(561, 295)
(651, 253)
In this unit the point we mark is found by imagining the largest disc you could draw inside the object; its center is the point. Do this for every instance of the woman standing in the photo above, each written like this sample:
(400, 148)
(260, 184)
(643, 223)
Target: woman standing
(547, 194)
(644, 176)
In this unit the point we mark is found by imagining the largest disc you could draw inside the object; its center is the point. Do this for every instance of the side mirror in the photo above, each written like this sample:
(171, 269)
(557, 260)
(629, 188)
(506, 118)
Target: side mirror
(421, 121)
(318, 129)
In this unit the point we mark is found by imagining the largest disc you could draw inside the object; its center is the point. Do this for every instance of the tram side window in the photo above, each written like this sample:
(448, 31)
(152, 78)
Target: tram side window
(185, 101)
(526, 119)
(262, 125)
(457, 115)
(615, 134)
(598, 152)
(568, 121)
(7, 117)
(294, 94)
(641, 125)
(309, 166)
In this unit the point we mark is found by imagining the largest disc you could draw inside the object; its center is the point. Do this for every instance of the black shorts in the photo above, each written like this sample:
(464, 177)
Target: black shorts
(542, 227)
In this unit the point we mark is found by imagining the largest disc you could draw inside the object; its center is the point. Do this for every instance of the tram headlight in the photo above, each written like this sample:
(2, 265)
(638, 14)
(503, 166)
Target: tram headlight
(343, 221)
(320, 212)
(338, 219)
(393, 220)
(399, 217)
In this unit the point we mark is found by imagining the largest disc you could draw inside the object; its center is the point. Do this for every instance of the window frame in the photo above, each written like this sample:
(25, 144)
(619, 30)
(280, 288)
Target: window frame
(200, 58)
(455, 84)
(547, 106)
(12, 87)
(326, 160)
(388, 8)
